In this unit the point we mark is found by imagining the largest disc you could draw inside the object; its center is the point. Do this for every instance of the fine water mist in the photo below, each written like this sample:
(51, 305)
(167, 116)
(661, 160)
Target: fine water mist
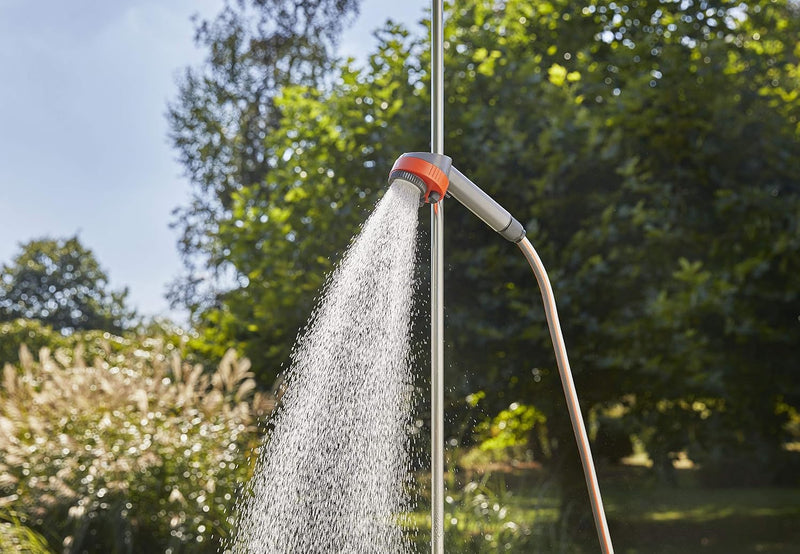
(334, 474)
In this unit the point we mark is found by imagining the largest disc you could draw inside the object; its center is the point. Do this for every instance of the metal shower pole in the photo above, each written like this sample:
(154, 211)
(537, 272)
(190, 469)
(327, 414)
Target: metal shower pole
(437, 286)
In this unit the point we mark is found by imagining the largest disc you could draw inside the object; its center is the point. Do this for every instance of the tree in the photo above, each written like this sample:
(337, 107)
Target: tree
(628, 187)
(335, 146)
(60, 283)
(652, 151)
(225, 113)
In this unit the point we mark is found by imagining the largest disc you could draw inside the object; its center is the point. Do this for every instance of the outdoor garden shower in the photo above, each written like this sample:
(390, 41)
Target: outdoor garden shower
(333, 476)
(435, 177)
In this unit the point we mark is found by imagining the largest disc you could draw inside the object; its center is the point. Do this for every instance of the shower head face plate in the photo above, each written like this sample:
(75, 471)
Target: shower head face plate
(425, 170)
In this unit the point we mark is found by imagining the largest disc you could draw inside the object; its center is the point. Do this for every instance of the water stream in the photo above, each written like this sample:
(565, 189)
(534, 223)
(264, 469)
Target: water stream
(333, 476)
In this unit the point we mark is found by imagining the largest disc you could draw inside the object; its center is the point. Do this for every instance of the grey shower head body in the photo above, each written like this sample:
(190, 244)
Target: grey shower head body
(435, 176)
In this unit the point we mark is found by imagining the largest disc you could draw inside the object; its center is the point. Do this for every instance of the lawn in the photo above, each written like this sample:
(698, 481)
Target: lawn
(518, 512)
(715, 521)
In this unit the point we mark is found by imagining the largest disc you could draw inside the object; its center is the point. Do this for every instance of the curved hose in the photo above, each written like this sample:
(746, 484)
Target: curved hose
(570, 393)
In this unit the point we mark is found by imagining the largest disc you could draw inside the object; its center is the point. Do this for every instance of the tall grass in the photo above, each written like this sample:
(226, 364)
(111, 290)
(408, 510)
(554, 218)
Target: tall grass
(139, 454)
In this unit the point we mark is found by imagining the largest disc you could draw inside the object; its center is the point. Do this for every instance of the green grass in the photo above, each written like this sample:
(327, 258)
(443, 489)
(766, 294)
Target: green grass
(715, 521)
(644, 517)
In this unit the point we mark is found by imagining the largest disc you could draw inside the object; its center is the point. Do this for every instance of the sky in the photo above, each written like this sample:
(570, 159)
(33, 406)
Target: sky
(84, 87)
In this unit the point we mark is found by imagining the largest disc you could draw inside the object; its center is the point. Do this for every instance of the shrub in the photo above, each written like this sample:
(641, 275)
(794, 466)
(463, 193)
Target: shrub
(479, 521)
(157, 337)
(141, 454)
(13, 334)
(484, 515)
(507, 437)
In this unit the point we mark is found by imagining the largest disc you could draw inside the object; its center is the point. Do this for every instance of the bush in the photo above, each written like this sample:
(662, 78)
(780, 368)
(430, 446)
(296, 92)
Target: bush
(141, 454)
(507, 437)
(478, 520)
(13, 334)
(484, 515)
(158, 337)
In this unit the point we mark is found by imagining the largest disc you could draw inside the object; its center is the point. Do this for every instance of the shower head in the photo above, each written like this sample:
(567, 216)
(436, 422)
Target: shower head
(425, 170)
(434, 175)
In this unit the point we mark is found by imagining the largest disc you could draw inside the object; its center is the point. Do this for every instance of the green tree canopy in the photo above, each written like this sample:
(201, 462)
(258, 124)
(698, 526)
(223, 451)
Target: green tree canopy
(60, 283)
(652, 150)
(224, 115)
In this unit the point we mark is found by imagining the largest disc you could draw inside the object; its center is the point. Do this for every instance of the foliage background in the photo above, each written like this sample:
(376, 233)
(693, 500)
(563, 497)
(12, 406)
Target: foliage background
(652, 150)
(136, 452)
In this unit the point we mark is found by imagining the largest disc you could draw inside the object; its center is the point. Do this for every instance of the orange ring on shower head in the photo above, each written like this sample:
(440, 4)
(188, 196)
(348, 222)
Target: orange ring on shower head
(434, 178)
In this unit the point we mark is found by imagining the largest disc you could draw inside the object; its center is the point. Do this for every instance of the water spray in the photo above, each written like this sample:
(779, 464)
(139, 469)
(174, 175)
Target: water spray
(436, 178)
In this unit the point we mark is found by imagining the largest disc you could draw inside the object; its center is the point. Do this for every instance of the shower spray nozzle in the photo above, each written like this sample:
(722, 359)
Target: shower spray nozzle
(426, 171)
(435, 176)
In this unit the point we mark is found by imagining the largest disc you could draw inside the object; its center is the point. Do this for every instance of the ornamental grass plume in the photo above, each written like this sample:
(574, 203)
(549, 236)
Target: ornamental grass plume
(141, 455)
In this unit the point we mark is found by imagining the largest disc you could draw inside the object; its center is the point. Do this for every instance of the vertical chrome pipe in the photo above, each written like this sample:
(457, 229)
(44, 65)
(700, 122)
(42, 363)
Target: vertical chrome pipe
(570, 393)
(437, 380)
(437, 77)
(437, 286)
